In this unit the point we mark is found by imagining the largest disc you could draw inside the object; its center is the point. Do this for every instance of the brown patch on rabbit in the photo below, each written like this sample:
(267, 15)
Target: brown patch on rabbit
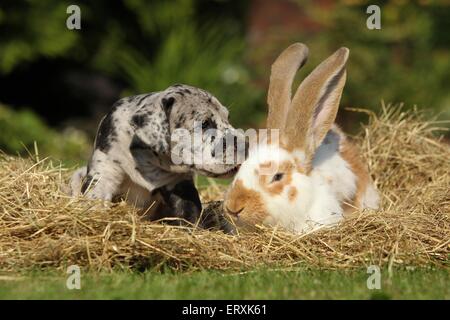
(350, 153)
(292, 194)
(301, 167)
(241, 200)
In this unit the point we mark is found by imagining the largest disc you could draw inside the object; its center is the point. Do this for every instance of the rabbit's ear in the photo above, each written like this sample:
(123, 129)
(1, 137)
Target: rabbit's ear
(315, 104)
(282, 74)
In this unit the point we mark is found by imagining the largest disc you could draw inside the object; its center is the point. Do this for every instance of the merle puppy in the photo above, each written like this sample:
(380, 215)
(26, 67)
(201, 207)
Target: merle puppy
(134, 150)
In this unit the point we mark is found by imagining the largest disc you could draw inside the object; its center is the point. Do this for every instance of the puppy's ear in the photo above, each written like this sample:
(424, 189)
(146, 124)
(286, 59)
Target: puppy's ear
(151, 126)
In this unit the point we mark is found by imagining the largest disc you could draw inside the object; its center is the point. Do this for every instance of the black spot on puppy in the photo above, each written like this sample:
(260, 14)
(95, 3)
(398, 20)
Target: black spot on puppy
(180, 121)
(139, 120)
(117, 105)
(144, 97)
(137, 143)
(106, 134)
(168, 102)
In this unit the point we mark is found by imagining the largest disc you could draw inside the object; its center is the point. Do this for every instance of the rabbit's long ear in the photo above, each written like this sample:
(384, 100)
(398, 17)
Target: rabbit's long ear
(282, 74)
(315, 104)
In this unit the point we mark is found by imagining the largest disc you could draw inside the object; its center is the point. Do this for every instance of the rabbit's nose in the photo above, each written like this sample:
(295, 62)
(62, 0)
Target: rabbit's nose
(234, 213)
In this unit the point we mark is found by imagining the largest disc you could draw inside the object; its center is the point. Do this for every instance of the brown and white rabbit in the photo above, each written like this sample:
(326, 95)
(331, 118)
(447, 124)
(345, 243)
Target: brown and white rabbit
(317, 168)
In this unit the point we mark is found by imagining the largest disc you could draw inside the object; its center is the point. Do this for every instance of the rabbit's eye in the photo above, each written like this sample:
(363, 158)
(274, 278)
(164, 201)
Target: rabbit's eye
(277, 177)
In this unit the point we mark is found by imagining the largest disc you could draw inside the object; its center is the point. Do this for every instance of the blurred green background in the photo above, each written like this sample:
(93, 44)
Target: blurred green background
(55, 83)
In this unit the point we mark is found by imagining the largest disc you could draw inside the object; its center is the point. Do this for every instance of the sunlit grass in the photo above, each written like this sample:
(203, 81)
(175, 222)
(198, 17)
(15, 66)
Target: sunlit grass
(259, 284)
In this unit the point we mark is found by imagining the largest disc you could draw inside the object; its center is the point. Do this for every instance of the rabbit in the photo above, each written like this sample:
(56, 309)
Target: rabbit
(316, 170)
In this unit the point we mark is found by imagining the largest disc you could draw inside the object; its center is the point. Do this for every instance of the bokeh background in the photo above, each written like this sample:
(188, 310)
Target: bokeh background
(56, 84)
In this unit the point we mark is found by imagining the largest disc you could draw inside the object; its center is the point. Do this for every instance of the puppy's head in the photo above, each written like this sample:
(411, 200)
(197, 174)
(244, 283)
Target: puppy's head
(201, 136)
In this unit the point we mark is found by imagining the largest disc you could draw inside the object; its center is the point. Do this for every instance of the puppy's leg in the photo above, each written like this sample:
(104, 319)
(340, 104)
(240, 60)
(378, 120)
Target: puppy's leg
(213, 218)
(181, 200)
(76, 182)
(103, 179)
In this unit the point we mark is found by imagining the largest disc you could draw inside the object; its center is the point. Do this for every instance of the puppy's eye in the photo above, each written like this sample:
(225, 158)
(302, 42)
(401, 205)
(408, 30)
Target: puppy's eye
(277, 177)
(205, 124)
(208, 124)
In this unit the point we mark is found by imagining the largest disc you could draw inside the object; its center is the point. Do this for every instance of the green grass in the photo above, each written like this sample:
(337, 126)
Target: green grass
(261, 284)
(203, 182)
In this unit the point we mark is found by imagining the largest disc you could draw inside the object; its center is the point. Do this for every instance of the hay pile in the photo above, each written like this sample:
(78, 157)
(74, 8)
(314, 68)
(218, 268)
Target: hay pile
(41, 227)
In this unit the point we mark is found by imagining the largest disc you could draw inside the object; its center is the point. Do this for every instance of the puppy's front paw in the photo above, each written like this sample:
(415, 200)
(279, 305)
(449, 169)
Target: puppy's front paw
(213, 217)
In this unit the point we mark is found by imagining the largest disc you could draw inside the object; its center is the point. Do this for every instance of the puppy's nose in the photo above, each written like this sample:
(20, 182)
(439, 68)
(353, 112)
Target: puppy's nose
(234, 213)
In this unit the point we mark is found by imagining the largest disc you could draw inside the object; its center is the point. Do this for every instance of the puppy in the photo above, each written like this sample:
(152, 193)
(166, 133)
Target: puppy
(143, 151)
